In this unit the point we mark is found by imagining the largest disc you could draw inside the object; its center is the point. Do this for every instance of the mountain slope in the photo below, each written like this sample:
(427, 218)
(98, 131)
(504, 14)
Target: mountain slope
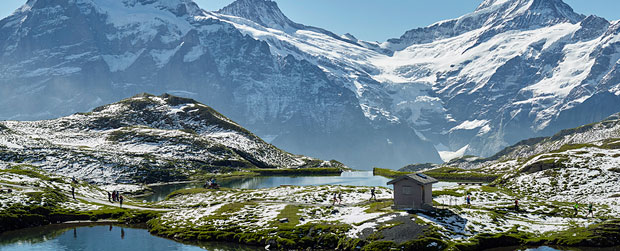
(96, 55)
(145, 138)
(578, 165)
(515, 68)
(471, 85)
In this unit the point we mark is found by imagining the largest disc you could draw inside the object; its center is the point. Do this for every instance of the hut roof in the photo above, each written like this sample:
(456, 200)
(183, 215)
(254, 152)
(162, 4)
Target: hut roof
(419, 178)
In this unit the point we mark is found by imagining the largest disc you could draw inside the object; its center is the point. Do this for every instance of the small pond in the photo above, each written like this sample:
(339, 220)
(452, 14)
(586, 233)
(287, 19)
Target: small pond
(345, 178)
(61, 237)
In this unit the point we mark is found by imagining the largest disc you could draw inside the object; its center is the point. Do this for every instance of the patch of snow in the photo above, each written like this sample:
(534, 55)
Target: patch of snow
(448, 155)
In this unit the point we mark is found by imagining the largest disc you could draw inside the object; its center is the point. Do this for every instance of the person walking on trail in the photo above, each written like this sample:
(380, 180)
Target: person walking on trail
(120, 199)
(339, 198)
(109, 196)
(372, 194)
(334, 199)
(73, 192)
(576, 207)
(517, 205)
(468, 199)
(590, 210)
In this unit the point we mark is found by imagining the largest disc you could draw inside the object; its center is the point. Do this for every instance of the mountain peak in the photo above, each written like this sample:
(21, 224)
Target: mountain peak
(496, 16)
(164, 112)
(541, 11)
(263, 12)
(177, 7)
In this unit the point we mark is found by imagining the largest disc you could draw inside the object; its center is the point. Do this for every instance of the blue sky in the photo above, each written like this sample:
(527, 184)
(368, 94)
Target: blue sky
(378, 20)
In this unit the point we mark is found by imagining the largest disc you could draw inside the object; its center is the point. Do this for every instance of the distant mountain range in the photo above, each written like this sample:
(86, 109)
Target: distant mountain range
(143, 139)
(473, 85)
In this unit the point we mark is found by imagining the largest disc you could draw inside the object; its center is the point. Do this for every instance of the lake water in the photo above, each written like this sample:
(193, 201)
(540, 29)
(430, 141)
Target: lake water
(63, 237)
(67, 237)
(345, 178)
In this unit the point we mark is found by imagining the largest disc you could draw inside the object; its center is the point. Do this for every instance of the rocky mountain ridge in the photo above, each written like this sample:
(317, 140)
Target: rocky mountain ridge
(146, 139)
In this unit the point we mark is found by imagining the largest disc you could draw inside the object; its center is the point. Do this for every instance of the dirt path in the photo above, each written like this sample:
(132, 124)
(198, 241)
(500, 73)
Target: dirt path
(115, 204)
(88, 199)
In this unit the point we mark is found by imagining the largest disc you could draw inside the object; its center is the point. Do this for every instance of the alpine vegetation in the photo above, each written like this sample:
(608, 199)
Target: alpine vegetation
(143, 139)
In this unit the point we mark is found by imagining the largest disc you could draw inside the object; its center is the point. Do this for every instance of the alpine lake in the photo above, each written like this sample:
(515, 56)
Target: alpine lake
(113, 236)
(102, 236)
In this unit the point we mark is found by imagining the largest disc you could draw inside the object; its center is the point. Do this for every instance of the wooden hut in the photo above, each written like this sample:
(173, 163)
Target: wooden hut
(413, 191)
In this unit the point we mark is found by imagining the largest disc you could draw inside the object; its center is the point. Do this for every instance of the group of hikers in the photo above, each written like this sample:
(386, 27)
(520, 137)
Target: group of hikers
(337, 196)
(590, 209)
(211, 184)
(516, 207)
(116, 196)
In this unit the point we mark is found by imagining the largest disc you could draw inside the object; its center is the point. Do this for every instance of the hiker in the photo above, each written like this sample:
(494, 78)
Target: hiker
(109, 196)
(590, 210)
(576, 207)
(73, 192)
(73, 179)
(372, 194)
(468, 199)
(339, 198)
(517, 205)
(120, 199)
(113, 196)
(335, 199)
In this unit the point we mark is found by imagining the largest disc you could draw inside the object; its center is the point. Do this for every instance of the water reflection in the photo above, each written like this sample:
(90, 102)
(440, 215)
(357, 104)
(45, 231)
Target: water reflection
(99, 237)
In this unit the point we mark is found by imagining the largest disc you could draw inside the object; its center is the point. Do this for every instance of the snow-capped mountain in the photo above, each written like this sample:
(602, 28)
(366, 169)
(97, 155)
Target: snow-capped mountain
(60, 57)
(498, 15)
(472, 85)
(535, 72)
(145, 138)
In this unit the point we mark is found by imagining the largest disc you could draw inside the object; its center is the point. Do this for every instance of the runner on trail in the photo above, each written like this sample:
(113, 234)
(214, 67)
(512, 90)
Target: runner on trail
(590, 210)
(372, 194)
(576, 207)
